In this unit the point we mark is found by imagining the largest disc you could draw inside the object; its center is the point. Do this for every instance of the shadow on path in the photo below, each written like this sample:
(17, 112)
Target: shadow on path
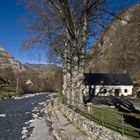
(19, 111)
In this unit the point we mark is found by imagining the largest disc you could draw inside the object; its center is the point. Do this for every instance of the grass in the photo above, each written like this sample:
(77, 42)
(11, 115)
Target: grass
(9, 91)
(2, 82)
(110, 118)
(107, 115)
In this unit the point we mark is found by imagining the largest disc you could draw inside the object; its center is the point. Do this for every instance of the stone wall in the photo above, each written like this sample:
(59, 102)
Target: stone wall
(90, 128)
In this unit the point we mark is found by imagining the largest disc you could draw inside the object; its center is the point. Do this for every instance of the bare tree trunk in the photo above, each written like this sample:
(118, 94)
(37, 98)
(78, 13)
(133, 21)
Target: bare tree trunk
(74, 69)
(67, 77)
(64, 74)
(82, 55)
(78, 62)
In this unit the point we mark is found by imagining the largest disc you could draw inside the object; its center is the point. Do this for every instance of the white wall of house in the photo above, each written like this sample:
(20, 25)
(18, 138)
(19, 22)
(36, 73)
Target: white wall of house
(106, 90)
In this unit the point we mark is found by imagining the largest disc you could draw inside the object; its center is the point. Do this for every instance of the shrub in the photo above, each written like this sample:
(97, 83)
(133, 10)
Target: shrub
(138, 94)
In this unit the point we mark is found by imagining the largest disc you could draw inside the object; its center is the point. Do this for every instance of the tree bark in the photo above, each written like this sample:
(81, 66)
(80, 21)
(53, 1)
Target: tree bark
(82, 53)
(67, 77)
(78, 61)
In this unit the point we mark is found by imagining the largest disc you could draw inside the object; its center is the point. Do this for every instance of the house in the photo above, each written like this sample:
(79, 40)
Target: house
(29, 82)
(106, 84)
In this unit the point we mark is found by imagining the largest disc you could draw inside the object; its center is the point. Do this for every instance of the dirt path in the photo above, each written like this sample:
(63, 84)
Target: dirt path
(63, 129)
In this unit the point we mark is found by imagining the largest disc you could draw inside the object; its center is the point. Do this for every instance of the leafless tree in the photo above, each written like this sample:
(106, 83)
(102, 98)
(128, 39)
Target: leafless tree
(64, 27)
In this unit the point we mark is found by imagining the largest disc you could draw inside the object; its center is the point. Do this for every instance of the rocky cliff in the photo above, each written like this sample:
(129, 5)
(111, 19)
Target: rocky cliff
(118, 48)
(8, 62)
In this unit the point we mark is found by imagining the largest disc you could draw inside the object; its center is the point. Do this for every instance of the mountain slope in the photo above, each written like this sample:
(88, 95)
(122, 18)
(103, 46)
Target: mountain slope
(8, 62)
(48, 74)
(118, 48)
(49, 69)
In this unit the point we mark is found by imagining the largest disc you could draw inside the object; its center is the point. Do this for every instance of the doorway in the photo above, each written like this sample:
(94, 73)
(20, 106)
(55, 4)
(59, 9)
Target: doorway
(117, 91)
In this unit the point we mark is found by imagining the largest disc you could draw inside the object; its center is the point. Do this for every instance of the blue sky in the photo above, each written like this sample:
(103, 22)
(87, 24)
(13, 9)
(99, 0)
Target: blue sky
(12, 34)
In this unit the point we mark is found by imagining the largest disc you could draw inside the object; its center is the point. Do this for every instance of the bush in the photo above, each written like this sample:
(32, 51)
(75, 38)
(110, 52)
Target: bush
(138, 94)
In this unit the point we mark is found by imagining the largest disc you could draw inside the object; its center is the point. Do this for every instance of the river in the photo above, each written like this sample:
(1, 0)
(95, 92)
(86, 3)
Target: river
(24, 118)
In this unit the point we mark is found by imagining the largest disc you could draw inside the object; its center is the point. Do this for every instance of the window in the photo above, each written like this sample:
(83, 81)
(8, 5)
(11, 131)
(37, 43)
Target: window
(125, 90)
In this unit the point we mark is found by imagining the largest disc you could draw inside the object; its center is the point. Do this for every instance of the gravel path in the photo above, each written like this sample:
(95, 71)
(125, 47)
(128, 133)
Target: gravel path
(64, 129)
(24, 118)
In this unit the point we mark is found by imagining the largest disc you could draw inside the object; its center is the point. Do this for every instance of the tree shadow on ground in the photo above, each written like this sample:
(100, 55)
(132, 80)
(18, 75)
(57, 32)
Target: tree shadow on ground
(123, 105)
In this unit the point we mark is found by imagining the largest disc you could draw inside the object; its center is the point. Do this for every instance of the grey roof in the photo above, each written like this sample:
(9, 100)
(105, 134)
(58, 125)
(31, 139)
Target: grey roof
(107, 79)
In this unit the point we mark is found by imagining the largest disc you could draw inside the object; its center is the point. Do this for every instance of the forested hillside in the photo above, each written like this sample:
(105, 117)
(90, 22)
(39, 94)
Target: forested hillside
(29, 78)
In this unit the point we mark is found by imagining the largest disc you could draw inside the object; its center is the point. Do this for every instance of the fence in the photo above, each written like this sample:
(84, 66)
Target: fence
(107, 117)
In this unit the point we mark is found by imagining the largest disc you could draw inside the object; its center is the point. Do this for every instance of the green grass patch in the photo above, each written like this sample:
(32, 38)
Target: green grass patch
(2, 82)
(110, 118)
(9, 91)
(8, 88)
